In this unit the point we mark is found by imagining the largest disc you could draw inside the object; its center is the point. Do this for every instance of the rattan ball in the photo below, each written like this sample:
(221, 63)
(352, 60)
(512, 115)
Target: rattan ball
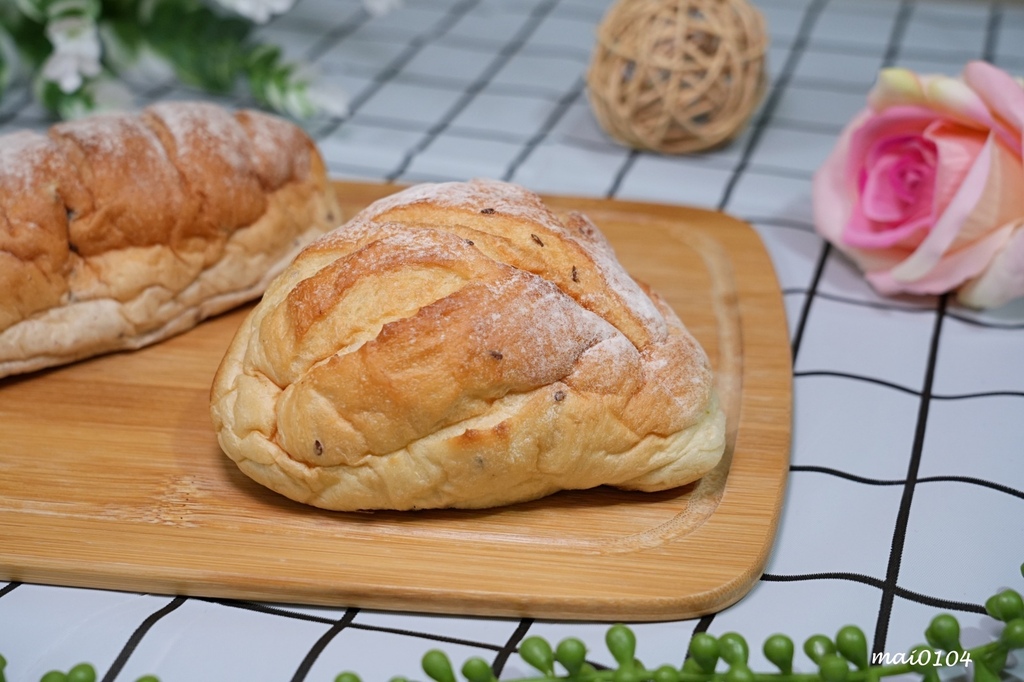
(677, 76)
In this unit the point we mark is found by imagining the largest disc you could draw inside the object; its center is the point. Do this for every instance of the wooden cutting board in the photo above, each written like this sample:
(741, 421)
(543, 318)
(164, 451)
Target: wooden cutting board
(111, 476)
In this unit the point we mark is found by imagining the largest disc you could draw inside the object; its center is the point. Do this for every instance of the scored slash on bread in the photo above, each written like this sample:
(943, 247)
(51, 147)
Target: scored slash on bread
(459, 345)
(120, 230)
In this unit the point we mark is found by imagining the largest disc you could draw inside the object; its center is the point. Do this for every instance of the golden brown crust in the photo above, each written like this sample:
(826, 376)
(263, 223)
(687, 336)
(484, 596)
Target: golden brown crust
(458, 345)
(120, 230)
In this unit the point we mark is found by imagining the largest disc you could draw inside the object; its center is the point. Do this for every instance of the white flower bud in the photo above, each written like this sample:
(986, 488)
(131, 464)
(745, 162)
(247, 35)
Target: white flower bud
(75, 55)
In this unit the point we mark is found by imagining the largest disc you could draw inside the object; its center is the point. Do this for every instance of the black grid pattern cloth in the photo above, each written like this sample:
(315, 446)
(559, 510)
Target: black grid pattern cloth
(906, 491)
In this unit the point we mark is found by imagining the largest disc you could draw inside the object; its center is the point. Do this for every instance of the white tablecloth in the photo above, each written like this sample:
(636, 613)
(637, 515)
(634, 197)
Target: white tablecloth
(906, 491)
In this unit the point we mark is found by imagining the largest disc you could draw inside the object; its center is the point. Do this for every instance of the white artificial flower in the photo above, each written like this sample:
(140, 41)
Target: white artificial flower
(259, 11)
(76, 52)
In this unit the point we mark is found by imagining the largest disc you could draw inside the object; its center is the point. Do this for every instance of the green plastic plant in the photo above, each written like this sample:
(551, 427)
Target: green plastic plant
(83, 672)
(844, 658)
(76, 55)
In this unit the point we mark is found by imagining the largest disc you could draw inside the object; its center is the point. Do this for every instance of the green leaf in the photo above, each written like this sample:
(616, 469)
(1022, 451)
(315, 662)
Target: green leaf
(739, 673)
(437, 666)
(944, 633)
(982, 673)
(817, 647)
(691, 667)
(621, 643)
(704, 650)
(925, 658)
(665, 673)
(853, 645)
(1005, 606)
(1012, 635)
(58, 9)
(347, 677)
(779, 650)
(6, 69)
(124, 38)
(477, 669)
(996, 660)
(30, 38)
(833, 668)
(733, 649)
(83, 672)
(206, 50)
(537, 652)
(571, 653)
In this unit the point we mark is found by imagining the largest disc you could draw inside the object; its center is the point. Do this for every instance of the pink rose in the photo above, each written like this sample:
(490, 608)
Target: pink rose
(924, 190)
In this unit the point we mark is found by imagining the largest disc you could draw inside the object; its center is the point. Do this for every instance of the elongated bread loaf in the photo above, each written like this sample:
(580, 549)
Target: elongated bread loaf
(458, 345)
(120, 230)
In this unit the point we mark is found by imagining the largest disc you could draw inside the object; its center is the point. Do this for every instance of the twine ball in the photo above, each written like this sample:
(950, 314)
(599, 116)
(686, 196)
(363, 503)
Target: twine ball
(677, 76)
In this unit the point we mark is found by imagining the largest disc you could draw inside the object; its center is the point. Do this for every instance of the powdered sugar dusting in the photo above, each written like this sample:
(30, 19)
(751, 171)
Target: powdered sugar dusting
(22, 157)
(358, 232)
(395, 246)
(101, 132)
(194, 125)
(503, 197)
(616, 356)
(514, 200)
(600, 249)
(121, 146)
(549, 323)
(412, 244)
(269, 135)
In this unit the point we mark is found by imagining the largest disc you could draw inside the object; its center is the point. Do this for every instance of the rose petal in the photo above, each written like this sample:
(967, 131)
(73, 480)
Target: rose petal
(1001, 202)
(895, 87)
(832, 192)
(956, 99)
(861, 233)
(985, 98)
(894, 209)
(1003, 95)
(862, 136)
(952, 271)
(881, 197)
(1003, 280)
(957, 148)
(949, 223)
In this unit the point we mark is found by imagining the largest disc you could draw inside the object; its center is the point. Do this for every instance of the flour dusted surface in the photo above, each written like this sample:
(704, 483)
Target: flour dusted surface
(120, 230)
(460, 345)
